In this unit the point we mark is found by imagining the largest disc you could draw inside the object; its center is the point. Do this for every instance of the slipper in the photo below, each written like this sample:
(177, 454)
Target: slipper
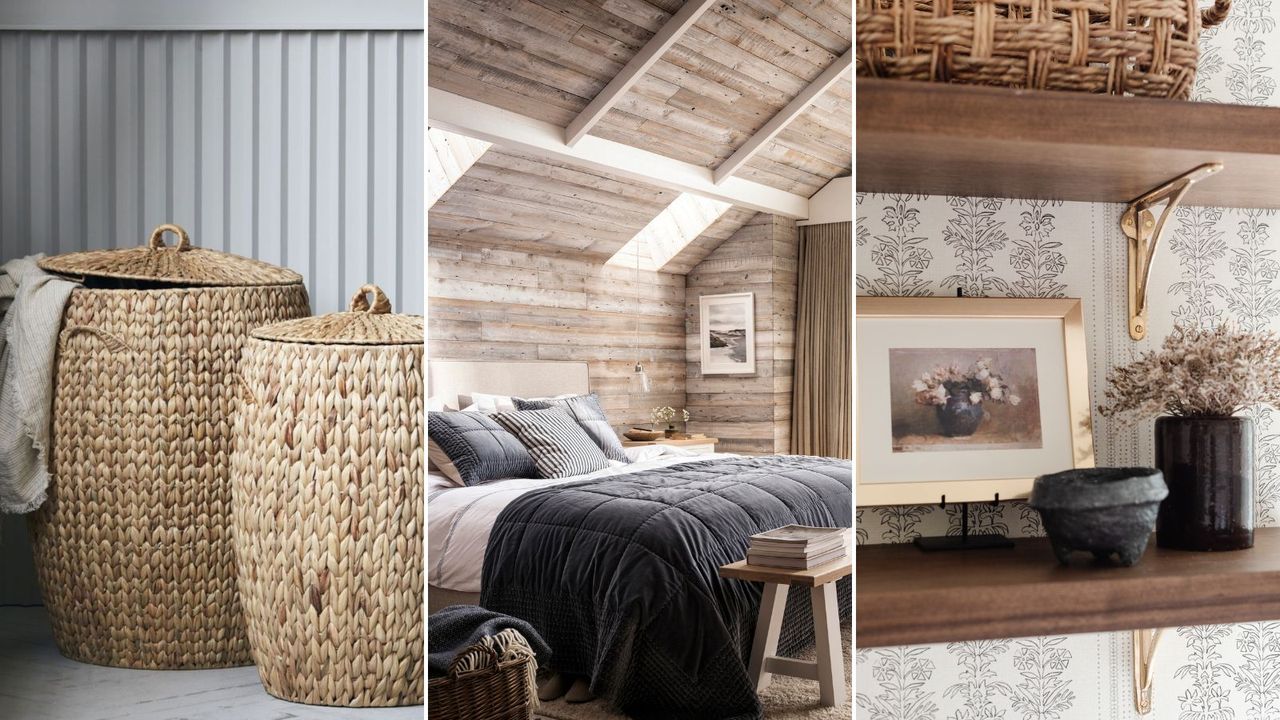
(553, 687)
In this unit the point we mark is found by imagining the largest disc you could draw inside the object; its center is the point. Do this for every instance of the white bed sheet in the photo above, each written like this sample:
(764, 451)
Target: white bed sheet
(459, 519)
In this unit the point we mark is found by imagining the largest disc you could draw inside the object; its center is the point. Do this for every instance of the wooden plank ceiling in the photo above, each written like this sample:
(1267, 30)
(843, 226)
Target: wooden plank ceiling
(727, 75)
(517, 201)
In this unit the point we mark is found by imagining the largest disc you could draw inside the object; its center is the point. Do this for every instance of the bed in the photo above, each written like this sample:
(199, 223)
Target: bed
(618, 569)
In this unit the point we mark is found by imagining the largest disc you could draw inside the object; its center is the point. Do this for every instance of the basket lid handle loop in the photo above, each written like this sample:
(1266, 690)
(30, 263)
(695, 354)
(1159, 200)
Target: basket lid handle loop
(1211, 16)
(360, 301)
(157, 237)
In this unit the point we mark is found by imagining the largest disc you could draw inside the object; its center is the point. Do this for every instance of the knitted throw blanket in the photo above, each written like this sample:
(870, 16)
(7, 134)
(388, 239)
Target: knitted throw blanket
(32, 302)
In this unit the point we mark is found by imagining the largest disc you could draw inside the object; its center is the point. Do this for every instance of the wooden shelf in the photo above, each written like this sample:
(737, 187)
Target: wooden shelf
(909, 597)
(997, 142)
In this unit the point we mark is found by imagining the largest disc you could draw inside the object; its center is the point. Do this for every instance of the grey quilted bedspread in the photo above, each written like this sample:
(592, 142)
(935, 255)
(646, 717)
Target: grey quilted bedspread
(619, 575)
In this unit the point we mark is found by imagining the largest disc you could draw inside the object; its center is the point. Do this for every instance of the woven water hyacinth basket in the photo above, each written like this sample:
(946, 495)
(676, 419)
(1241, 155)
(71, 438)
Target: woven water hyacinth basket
(328, 505)
(133, 545)
(1141, 47)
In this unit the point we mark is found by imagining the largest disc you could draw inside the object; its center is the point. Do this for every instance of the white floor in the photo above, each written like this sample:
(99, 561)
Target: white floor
(36, 683)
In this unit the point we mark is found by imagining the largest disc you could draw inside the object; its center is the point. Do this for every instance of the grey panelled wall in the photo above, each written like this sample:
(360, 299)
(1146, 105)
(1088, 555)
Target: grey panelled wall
(300, 148)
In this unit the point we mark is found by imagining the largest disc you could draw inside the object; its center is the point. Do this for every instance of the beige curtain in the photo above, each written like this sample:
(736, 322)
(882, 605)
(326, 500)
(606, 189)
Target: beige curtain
(822, 400)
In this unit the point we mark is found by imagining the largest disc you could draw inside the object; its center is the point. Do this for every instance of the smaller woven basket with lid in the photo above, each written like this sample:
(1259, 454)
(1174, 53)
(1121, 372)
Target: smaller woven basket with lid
(328, 505)
(133, 544)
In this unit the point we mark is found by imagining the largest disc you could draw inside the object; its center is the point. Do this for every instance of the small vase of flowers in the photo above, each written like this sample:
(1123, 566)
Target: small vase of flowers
(957, 395)
(668, 415)
(1196, 385)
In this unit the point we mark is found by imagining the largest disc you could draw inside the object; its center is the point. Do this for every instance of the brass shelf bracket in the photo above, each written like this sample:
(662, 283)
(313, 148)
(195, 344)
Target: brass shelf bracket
(1143, 229)
(1144, 653)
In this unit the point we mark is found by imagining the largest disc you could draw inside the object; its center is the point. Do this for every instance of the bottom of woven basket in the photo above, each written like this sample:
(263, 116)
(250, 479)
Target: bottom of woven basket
(314, 694)
(161, 661)
(346, 702)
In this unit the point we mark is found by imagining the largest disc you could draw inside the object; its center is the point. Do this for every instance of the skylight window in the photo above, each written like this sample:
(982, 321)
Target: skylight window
(671, 231)
(449, 158)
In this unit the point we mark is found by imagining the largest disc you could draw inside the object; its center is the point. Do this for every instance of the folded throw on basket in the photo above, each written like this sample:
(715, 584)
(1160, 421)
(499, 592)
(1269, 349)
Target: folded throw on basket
(455, 629)
(32, 302)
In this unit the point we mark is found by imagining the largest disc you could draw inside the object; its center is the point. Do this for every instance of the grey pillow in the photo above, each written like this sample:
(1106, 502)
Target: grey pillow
(558, 445)
(586, 411)
(479, 448)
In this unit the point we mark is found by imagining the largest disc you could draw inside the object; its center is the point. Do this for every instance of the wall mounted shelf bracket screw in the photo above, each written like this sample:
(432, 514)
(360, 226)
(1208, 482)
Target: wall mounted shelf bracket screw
(1144, 652)
(1144, 229)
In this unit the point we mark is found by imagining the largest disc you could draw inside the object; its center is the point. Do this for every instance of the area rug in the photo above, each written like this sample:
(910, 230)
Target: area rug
(786, 698)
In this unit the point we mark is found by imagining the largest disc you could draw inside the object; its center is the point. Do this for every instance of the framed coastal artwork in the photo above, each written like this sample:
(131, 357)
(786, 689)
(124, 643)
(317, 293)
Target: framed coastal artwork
(968, 398)
(727, 334)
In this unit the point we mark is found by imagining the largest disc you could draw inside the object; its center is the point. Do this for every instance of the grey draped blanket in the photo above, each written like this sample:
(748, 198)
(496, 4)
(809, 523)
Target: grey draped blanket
(620, 576)
(454, 629)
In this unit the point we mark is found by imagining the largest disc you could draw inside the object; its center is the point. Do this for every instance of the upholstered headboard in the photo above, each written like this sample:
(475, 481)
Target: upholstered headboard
(447, 379)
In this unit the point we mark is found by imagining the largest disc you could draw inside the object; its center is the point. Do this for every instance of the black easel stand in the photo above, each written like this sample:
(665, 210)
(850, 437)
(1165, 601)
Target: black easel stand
(963, 541)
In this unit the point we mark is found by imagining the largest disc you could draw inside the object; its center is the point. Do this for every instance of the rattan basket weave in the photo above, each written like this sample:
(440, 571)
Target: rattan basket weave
(1140, 47)
(133, 546)
(498, 691)
(328, 505)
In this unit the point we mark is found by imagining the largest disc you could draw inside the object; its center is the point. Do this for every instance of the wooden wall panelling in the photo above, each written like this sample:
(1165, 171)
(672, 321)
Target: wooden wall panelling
(496, 302)
(726, 77)
(711, 238)
(752, 413)
(813, 148)
(509, 196)
(449, 156)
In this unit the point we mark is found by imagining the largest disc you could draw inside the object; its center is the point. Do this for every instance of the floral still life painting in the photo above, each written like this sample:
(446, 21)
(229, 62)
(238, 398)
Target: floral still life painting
(949, 399)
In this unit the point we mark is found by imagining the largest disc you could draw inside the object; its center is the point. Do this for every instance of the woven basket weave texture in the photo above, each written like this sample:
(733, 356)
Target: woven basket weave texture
(499, 692)
(133, 547)
(1139, 47)
(328, 504)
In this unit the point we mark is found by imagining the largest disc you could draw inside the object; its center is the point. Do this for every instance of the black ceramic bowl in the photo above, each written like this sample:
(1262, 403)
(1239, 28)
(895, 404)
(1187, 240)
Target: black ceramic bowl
(1099, 510)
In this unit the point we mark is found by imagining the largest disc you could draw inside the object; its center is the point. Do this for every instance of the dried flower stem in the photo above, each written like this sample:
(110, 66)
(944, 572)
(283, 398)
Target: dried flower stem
(1198, 373)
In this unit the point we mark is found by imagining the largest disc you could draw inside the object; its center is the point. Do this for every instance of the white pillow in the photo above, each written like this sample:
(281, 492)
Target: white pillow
(486, 403)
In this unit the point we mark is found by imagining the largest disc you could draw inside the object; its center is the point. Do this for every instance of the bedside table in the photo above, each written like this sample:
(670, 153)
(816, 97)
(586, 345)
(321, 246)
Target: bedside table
(698, 445)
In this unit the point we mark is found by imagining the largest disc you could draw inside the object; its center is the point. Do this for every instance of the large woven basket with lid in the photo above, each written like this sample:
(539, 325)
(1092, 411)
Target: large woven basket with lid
(133, 546)
(328, 503)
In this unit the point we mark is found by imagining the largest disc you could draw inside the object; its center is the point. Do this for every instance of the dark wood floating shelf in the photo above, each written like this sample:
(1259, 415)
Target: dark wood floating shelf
(907, 597)
(997, 142)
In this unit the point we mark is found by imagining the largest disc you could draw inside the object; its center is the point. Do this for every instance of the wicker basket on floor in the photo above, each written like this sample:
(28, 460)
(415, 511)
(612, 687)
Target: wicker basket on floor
(1142, 47)
(133, 545)
(498, 691)
(328, 503)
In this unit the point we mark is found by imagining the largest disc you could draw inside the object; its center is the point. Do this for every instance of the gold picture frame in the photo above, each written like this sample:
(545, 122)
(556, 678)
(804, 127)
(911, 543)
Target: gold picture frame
(875, 489)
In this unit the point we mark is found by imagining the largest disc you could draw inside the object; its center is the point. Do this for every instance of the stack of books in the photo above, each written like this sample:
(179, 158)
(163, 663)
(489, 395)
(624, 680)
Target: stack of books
(798, 547)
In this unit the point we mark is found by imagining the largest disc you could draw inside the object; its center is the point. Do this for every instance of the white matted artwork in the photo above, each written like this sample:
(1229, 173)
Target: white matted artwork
(727, 334)
(968, 397)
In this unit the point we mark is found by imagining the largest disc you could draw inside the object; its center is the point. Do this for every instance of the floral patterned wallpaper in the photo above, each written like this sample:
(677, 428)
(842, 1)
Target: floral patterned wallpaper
(1216, 264)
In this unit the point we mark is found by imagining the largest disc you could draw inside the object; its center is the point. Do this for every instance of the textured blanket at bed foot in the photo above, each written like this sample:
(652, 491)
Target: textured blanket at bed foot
(620, 576)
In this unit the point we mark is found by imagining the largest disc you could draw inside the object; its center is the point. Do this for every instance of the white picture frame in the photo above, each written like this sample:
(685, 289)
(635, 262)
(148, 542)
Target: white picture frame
(727, 334)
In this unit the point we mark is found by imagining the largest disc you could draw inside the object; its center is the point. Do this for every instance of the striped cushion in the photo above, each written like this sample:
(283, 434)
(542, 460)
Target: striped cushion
(480, 449)
(559, 447)
(586, 411)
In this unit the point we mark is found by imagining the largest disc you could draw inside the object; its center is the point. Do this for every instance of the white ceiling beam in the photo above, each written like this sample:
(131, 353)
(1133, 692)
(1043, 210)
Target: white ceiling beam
(448, 111)
(666, 36)
(784, 117)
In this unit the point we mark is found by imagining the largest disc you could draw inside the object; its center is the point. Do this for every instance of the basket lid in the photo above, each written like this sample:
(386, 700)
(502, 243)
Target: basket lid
(366, 323)
(181, 264)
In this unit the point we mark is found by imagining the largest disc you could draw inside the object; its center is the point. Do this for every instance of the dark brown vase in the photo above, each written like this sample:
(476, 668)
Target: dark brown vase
(1208, 465)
